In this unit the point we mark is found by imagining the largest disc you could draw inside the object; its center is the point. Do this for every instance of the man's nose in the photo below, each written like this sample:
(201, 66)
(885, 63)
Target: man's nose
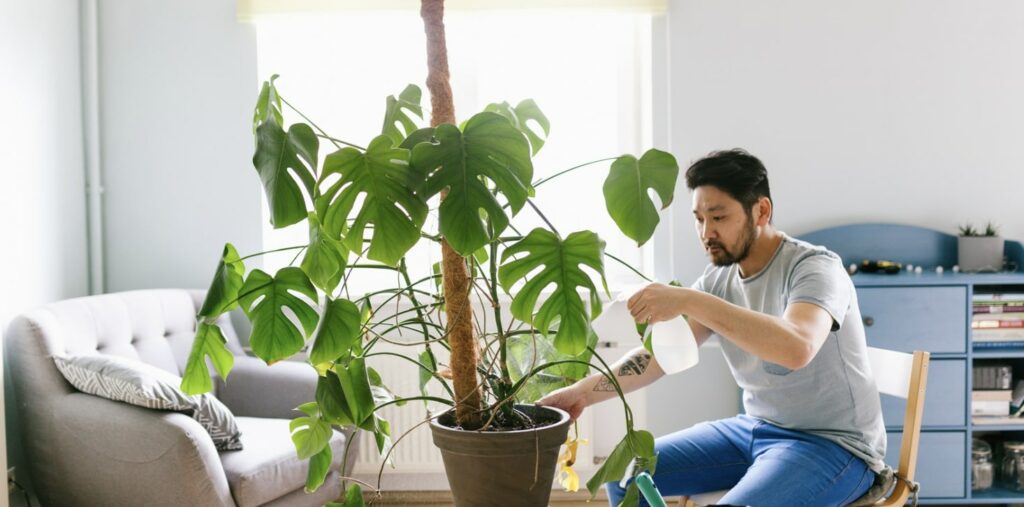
(707, 231)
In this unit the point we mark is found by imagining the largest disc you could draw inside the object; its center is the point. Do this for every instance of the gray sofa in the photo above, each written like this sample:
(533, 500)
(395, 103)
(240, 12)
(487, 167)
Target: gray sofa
(86, 450)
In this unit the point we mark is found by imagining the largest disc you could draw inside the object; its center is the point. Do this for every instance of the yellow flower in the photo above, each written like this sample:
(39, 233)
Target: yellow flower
(566, 459)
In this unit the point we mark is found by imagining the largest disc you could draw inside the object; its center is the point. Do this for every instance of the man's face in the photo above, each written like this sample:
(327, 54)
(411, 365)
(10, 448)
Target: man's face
(726, 229)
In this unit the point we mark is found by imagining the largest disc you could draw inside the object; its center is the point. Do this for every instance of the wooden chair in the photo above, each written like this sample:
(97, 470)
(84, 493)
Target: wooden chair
(897, 374)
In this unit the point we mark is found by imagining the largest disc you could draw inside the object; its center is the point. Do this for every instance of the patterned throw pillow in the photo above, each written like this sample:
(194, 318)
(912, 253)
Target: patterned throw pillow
(138, 383)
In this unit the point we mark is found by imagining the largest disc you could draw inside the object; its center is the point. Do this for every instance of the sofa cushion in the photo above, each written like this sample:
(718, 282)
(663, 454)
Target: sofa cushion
(137, 383)
(269, 468)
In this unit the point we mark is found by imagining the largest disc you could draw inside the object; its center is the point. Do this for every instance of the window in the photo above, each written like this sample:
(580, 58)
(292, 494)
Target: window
(589, 71)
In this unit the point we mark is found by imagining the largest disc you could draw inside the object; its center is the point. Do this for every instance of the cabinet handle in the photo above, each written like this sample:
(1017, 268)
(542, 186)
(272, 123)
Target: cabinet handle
(869, 321)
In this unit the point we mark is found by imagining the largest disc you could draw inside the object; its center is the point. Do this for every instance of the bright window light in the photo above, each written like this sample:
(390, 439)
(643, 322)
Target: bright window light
(588, 71)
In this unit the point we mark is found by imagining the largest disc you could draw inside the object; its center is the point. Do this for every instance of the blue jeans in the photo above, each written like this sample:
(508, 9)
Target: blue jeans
(759, 463)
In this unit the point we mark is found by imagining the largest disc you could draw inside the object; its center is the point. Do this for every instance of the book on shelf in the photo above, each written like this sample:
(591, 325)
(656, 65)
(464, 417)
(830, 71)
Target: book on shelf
(990, 407)
(992, 395)
(1011, 316)
(995, 309)
(997, 296)
(991, 419)
(997, 324)
(997, 334)
(992, 376)
(998, 345)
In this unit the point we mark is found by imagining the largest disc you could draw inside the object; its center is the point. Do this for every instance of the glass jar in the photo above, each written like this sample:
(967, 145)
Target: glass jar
(1010, 471)
(982, 468)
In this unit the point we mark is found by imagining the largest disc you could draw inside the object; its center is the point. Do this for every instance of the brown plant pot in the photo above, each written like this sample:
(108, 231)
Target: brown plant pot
(501, 467)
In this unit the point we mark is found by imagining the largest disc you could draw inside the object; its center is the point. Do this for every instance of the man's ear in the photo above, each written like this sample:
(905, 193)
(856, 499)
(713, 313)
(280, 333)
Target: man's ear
(763, 211)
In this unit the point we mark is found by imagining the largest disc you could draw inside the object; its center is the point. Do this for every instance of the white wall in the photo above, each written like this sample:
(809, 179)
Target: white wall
(908, 111)
(177, 87)
(42, 233)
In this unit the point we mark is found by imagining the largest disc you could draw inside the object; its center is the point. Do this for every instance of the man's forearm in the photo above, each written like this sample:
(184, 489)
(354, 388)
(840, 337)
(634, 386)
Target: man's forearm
(634, 370)
(768, 337)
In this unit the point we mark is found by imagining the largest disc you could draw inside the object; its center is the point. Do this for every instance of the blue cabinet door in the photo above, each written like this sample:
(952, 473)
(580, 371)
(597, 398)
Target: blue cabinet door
(945, 400)
(940, 462)
(915, 318)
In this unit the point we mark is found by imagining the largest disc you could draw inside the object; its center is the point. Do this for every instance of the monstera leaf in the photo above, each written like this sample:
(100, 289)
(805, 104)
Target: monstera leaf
(491, 148)
(395, 114)
(520, 116)
(278, 153)
(209, 341)
(625, 191)
(268, 105)
(227, 280)
(524, 353)
(636, 444)
(559, 263)
(383, 177)
(325, 257)
(338, 331)
(310, 435)
(274, 335)
(319, 467)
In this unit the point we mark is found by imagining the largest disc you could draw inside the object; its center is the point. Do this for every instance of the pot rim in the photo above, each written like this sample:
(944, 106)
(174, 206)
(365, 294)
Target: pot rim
(563, 418)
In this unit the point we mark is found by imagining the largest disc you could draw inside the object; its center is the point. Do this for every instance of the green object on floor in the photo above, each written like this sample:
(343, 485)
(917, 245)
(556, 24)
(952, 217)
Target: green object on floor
(649, 490)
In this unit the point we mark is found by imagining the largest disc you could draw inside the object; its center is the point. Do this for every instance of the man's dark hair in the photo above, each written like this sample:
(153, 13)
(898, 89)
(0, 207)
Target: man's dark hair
(735, 172)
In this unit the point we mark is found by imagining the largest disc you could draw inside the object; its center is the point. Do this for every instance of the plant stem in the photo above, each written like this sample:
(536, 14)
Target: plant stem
(631, 268)
(404, 270)
(618, 388)
(544, 218)
(506, 378)
(272, 251)
(421, 365)
(549, 178)
(412, 398)
(344, 456)
(304, 117)
(336, 141)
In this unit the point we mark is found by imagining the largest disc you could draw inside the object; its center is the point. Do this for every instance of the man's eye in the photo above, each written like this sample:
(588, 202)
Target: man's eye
(718, 219)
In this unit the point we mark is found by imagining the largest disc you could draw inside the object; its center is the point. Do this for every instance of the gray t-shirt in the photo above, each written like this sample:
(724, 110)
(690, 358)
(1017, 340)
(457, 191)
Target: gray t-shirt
(835, 395)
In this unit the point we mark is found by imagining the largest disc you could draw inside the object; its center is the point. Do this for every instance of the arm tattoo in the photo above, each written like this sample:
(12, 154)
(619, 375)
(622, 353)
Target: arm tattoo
(604, 385)
(635, 365)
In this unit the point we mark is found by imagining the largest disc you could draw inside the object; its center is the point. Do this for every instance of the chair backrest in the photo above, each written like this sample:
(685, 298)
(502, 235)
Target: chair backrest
(897, 374)
(905, 376)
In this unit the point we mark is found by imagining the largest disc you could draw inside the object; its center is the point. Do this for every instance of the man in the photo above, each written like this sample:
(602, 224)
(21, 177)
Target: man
(787, 318)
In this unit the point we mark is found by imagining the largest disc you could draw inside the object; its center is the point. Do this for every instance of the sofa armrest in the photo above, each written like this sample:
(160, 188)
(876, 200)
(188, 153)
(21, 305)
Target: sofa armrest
(113, 453)
(254, 389)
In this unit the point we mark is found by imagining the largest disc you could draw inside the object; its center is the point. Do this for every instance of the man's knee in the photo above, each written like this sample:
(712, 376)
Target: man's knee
(614, 490)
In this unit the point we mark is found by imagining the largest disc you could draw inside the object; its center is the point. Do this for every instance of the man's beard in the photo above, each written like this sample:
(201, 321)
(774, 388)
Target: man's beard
(724, 257)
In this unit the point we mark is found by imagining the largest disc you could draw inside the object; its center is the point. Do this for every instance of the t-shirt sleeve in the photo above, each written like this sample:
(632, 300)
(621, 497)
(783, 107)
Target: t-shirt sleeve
(822, 281)
(702, 283)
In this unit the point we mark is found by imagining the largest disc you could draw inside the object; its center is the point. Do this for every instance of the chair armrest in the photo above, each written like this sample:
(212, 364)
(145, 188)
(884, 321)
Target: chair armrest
(254, 389)
(113, 453)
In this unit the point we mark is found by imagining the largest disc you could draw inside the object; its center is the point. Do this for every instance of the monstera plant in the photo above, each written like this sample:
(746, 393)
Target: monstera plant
(365, 208)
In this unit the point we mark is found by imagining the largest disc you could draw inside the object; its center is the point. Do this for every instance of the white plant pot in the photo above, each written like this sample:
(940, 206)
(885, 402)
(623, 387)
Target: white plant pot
(980, 254)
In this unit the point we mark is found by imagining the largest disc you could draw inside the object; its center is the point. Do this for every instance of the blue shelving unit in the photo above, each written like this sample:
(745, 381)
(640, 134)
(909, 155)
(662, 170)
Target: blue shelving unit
(930, 311)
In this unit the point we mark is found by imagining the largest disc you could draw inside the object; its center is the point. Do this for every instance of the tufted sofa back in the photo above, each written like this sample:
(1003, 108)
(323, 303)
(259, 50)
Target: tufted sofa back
(153, 326)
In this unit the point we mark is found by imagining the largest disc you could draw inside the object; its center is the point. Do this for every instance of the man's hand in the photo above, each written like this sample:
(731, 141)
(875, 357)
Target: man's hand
(657, 303)
(569, 399)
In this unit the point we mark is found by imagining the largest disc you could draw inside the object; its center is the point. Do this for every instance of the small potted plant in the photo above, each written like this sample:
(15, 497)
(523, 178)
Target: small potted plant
(980, 250)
